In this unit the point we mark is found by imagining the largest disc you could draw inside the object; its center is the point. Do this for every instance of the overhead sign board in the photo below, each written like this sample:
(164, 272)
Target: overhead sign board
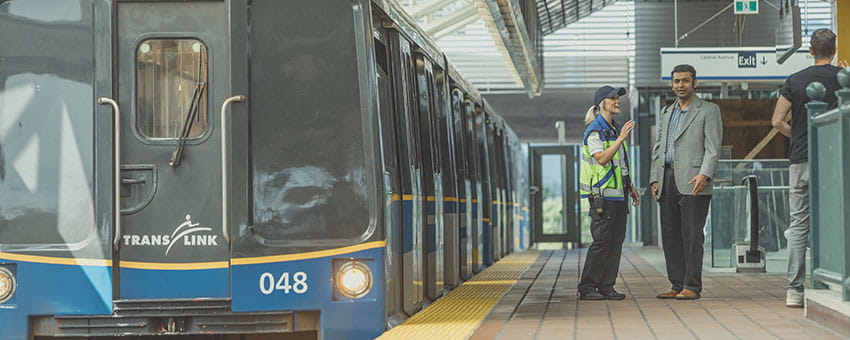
(734, 64)
(746, 7)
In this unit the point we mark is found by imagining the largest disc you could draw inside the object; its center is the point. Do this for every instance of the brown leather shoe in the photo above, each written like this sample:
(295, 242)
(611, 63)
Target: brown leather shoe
(687, 294)
(668, 295)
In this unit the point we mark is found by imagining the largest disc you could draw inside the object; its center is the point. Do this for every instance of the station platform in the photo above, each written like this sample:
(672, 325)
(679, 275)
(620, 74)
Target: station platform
(533, 295)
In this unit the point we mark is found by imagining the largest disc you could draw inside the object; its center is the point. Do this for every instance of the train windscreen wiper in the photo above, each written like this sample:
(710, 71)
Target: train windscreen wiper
(191, 115)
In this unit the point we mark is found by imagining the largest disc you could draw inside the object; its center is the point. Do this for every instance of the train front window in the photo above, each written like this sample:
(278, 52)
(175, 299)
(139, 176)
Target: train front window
(171, 86)
(313, 175)
(47, 128)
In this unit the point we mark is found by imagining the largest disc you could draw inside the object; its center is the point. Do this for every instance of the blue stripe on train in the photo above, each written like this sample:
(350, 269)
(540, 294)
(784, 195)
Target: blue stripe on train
(172, 284)
(407, 225)
(254, 289)
(449, 207)
(431, 245)
(487, 238)
(48, 289)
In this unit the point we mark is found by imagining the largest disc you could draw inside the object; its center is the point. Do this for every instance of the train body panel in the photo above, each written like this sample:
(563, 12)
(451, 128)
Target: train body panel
(44, 287)
(350, 182)
(302, 284)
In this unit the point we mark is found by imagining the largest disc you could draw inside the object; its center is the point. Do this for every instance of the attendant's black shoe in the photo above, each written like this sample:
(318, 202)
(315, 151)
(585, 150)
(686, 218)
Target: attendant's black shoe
(612, 295)
(591, 295)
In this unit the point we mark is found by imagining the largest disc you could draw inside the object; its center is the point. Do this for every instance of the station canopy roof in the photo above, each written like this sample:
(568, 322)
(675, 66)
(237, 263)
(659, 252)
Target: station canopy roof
(557, 14)
(487, 40)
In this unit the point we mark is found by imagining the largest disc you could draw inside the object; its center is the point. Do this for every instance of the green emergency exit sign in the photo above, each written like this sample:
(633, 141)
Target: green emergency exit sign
(746, 7)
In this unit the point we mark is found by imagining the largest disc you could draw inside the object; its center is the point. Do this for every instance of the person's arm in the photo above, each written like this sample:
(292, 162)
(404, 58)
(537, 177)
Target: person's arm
(713, 140)
(780, 113)
(635, 195)
(654, 166)
(605, 156)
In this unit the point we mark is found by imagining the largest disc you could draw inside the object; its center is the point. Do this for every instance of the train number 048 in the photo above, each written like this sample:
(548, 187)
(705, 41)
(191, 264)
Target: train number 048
(298, 284)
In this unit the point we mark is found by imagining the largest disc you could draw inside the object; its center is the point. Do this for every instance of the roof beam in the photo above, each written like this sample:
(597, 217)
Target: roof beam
(508, 29)
(428, 7)
(454, 27)
(450, 20)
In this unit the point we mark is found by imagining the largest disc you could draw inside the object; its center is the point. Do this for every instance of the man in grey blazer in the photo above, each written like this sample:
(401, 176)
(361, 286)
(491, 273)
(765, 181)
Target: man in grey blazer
(683, 162)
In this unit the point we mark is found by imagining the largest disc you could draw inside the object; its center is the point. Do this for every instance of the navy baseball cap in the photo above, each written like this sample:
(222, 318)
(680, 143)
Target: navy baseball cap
(607, 92)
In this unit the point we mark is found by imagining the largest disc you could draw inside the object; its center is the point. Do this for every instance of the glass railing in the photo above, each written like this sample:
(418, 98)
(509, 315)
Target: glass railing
(729, 219)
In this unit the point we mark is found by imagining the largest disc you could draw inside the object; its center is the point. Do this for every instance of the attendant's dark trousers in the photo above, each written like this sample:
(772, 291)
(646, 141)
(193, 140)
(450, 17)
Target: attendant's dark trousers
(603, 256)
(682, 222)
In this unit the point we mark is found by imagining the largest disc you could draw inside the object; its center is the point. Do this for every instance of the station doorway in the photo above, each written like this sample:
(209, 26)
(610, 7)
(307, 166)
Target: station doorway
(555, 205)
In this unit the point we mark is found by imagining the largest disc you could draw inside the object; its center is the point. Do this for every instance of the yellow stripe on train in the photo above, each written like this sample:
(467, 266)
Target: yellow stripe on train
(56, 260)
(308, 255)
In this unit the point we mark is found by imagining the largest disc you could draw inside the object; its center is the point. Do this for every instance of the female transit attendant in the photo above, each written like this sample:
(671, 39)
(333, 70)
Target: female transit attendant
(605, 182)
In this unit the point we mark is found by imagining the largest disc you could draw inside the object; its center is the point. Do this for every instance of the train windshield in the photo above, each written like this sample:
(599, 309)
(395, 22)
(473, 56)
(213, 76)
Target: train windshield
(46, 125)
(313, 179)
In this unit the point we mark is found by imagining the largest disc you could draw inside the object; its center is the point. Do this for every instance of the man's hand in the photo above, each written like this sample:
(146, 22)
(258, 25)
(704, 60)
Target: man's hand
(843, 63)
(635, 196)
(654, 187)
(700, 181)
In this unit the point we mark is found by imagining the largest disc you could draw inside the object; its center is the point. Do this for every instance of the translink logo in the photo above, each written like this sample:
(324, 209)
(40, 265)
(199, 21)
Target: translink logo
(186, 231)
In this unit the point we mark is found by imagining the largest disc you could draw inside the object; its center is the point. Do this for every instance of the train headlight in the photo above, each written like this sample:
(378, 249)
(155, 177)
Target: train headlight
(353, 279)
(7, 284)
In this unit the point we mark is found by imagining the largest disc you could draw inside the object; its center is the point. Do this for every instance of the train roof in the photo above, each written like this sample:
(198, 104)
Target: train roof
(412, 31)
(408, 26)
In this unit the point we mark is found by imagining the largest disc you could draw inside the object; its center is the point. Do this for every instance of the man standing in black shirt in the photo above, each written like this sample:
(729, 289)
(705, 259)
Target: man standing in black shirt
(793, 99)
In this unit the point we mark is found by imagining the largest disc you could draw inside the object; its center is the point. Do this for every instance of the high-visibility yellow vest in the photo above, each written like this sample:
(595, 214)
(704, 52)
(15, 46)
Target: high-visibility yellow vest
(605, 180)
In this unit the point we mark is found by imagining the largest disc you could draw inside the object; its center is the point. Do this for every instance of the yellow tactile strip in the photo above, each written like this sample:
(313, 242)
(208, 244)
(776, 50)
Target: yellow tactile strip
(458, 314)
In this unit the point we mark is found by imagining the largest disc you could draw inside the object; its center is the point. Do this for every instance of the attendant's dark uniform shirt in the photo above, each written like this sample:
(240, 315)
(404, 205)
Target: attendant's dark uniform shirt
(795, 91)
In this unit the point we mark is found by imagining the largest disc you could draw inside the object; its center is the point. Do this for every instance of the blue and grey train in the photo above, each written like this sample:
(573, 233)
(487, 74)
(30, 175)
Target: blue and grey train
(240, 168)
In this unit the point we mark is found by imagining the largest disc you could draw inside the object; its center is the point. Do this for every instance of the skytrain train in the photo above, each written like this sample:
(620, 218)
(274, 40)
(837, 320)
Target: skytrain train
(239, 168)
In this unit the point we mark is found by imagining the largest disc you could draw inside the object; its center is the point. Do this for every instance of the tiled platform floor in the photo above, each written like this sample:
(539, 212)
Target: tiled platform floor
(544, 305)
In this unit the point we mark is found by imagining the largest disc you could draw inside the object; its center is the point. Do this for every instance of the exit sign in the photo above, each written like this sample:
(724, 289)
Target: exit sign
(746, 7)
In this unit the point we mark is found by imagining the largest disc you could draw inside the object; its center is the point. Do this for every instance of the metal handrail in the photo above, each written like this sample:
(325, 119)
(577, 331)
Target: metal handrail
(224, 193)
(116, 111)
(752, 185)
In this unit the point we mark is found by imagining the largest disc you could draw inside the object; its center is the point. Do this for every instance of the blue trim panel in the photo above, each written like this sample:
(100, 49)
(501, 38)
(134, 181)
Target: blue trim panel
(172, 284)
(449, 207)
(407, 226)
(431, 233)
(50, 289)
(363, 318)
(392, 227)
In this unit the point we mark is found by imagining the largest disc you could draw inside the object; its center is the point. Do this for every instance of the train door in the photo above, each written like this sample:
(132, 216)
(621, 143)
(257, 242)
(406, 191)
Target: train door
(475, 193)
(390, 169)
(410, 165)
(498, 193)
(172, 62)
(463, 185)
(431, 177)
(446, 143)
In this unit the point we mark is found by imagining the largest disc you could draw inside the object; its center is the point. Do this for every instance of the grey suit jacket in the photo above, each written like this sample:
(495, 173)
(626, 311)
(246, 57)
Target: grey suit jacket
(697, 146)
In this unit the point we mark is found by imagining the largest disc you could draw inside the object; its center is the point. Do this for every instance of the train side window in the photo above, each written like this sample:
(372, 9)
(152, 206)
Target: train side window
(171, 82)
